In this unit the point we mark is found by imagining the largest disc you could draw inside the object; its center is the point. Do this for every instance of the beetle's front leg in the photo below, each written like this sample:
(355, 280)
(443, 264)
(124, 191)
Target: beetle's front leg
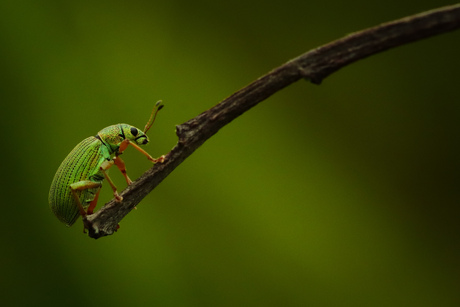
(105, 166)
(127, 142)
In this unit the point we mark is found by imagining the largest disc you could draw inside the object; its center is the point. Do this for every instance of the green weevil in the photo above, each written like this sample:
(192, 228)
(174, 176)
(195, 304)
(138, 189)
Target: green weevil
(76, 185)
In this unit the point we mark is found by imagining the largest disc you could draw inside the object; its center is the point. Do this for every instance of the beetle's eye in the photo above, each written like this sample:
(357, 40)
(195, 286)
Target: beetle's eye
(145, 141)
(134, 131)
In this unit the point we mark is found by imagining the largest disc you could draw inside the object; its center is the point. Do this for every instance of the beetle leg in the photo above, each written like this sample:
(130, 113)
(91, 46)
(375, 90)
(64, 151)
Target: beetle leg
(123, 145)
(83, 185)
(121, 166)
(160, 159)
(93, 203)
(105, 166)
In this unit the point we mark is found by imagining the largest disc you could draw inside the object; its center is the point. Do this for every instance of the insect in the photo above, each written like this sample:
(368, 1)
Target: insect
(76, 185)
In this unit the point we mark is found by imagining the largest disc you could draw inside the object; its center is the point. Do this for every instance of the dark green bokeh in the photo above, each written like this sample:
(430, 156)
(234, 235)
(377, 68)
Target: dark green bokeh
(344, 194)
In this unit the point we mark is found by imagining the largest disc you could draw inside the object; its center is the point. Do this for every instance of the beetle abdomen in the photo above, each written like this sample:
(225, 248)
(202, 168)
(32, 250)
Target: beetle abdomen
(82, 163)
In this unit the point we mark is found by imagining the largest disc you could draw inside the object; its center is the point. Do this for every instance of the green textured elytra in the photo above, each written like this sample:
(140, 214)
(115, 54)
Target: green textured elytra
(79, 178)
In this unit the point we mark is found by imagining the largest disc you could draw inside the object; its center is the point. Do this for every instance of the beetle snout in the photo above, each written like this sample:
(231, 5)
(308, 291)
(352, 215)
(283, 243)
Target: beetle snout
(142, 140)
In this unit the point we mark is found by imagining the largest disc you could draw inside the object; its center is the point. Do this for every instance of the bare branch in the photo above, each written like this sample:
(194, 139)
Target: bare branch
(314, 65)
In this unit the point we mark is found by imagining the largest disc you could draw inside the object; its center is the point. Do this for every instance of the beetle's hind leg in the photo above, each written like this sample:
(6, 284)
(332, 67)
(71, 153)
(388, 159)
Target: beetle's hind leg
(93, 203)
(84, 185)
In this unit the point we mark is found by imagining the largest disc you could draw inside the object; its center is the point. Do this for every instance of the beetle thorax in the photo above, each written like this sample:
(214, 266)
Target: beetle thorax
(111, 135)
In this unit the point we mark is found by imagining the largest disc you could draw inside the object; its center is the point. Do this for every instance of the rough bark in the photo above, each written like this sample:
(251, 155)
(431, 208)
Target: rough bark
(314, 66)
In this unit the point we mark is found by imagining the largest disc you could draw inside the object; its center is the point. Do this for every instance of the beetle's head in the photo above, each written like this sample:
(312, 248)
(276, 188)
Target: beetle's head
(134, 134)
(115, 134)
(139, 136)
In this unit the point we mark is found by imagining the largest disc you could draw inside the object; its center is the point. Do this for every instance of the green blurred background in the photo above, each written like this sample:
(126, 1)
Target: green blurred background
(344, 194)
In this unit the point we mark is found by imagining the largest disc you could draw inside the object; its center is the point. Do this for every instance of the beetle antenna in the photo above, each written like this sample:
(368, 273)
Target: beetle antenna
(158, 106)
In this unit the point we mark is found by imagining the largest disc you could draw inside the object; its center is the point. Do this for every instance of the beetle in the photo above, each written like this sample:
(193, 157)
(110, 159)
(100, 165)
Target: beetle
(76, 185)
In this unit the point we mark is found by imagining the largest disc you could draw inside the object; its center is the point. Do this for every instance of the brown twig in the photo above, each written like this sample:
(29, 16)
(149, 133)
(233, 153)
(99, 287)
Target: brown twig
(314, 65)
